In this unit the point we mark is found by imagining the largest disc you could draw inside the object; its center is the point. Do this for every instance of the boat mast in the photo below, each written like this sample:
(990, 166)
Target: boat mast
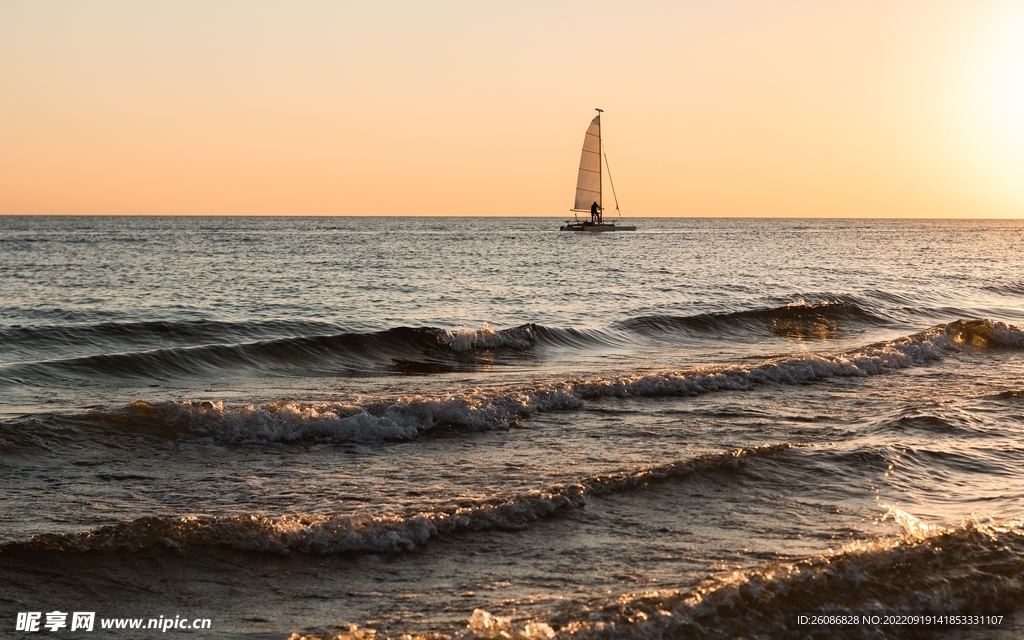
(600, 174)
(610, 181)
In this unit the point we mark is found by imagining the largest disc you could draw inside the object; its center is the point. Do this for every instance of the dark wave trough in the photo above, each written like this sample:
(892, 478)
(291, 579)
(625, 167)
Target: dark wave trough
(800, 320)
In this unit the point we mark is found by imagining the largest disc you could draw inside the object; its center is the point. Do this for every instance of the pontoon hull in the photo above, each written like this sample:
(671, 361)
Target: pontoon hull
(590, 227)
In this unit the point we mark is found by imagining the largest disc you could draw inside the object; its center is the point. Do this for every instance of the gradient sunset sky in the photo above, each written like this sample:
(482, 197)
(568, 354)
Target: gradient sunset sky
(726, 108)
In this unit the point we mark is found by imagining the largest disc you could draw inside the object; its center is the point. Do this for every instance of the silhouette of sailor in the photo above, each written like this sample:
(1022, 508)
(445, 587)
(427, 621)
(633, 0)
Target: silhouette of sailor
(595, 212)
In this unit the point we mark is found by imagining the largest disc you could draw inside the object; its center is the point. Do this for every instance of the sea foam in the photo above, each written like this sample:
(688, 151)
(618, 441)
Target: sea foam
(481, 409)
(974, 567)
(367, 533)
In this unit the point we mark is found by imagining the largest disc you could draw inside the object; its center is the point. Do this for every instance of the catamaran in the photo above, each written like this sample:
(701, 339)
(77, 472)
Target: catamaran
(588, 185)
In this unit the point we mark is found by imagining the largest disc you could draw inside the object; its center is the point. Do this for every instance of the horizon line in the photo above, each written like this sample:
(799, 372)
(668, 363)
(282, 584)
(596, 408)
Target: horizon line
(478, 216)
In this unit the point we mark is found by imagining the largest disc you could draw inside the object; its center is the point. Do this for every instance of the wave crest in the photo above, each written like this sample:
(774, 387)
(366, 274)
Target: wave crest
(406, 417)
(973, 567)
(401, 349)
(462, 340)
(344, 533)
(801, 320)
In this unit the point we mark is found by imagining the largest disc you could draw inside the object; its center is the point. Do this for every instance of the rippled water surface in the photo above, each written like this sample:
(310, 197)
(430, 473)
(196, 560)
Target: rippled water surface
(486, 426)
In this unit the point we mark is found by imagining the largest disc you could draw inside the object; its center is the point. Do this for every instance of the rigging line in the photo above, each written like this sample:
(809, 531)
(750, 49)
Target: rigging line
(610, 181)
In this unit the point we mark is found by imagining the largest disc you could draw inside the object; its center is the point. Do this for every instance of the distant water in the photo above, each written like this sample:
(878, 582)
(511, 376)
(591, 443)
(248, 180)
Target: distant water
(486, 427)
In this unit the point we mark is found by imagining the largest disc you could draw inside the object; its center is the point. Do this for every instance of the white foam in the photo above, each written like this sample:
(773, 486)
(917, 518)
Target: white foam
(968, 568)
(340, 533)
(406, 417)
(482, 625)
(402, 418)
(463, 340)
(913, 528)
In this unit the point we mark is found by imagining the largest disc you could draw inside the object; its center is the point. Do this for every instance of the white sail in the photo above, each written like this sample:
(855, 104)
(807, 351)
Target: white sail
(588, 185)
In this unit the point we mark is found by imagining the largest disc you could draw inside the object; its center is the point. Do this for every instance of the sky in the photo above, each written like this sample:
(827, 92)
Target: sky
(794, 108)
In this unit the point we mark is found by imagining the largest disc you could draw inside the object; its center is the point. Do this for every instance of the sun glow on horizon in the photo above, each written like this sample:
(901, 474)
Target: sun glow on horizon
(993, 101)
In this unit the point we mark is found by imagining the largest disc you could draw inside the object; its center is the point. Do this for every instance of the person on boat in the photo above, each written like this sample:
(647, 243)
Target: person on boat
(595, 212)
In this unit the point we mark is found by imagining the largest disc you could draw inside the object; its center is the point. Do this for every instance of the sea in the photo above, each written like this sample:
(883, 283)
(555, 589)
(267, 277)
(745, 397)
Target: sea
(417, 427)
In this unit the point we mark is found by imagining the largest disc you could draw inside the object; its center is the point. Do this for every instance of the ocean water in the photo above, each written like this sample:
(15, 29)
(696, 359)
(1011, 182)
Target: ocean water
(488, 428)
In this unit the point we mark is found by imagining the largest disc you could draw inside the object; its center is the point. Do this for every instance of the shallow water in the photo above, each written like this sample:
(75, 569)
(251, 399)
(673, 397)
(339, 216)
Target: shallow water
(417, 424)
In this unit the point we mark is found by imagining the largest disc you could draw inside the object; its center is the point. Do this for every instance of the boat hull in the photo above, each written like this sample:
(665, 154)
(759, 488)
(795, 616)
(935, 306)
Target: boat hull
(588, 227)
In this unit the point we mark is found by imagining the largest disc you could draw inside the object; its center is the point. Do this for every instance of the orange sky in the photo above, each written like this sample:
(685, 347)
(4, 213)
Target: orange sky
(726, 108)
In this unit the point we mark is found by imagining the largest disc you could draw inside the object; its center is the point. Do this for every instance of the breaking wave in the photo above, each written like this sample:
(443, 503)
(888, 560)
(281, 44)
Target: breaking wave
(407, 417)
(327, 534)
(976, 566)
(162, 348)
(403, 349)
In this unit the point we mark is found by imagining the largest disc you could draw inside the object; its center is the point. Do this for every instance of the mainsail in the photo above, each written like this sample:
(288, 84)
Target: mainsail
(588, 185)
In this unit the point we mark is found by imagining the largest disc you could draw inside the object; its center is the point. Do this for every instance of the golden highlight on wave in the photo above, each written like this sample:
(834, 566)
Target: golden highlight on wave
(975, 566)
(327, 533)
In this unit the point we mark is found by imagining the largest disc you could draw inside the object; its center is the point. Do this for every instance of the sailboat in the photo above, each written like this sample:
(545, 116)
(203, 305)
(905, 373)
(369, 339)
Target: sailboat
(589, 185)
